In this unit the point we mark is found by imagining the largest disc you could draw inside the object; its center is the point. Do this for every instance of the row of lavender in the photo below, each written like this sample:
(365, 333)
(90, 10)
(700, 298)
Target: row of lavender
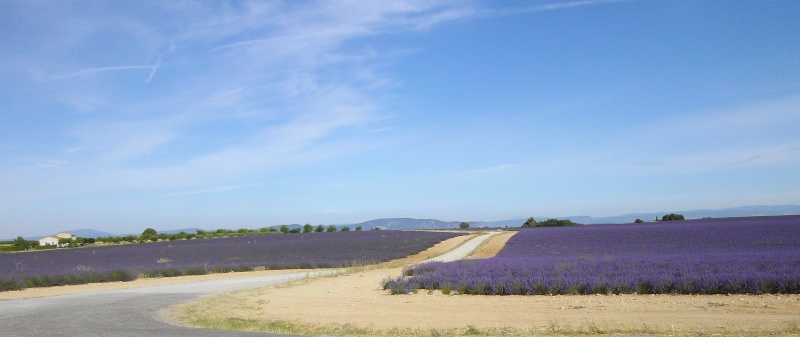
(182, 257)
(707, 256)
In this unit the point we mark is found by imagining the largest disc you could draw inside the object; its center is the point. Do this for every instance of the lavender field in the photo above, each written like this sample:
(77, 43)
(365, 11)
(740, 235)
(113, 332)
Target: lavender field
(706, 256)
(182, 257)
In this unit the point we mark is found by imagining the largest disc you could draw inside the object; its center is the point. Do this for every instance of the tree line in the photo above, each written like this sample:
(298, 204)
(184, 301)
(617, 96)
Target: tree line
(152, 235)
(20, 244)
(531, 222)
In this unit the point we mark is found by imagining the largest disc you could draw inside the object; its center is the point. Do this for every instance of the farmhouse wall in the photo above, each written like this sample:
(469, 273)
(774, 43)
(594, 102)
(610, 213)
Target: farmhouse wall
(65, 235)
(50, 240)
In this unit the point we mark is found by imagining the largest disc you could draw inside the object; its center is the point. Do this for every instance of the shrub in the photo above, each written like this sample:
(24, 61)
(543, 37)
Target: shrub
(195, 271)
(121, 276)
(7, 284)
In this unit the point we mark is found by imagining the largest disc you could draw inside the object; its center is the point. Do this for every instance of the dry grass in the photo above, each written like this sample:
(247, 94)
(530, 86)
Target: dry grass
(587, 328)
(492, 246)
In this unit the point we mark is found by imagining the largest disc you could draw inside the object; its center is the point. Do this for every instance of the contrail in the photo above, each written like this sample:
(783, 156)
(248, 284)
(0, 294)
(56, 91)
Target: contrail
(153, 70)
(91, 71)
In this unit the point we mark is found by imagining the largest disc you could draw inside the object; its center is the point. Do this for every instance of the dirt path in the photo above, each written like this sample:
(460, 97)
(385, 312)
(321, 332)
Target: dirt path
(357, 300)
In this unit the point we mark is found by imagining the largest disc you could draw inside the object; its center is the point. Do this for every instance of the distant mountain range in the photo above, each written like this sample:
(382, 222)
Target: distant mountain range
(411, 223)
(693, 214)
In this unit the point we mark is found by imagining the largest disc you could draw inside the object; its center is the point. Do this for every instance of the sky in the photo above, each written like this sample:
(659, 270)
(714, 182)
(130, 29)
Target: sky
(123, 115)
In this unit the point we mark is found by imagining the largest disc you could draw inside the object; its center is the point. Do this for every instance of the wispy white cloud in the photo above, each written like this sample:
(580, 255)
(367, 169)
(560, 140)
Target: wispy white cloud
(763, 156)
(544, 8)
(570, 4)
(92, 71)
(491, 169)
(725, 159)
(336, 211)
(74, 149)
(214, 189)
(153, 70)
(53, 163)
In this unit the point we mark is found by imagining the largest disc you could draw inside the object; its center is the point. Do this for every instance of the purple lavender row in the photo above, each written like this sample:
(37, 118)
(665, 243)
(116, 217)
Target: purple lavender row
(172, 258)
(708, 256)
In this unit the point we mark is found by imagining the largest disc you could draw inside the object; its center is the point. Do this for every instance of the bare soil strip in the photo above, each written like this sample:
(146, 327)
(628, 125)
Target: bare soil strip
(355, 304)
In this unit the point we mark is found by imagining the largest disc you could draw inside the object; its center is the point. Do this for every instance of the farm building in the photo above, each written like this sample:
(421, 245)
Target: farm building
(53, 240)
(65, 235)
(48, 241)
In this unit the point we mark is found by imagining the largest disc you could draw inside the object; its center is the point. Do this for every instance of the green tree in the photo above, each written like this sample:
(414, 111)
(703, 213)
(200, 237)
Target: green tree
(284, 229)
(549, 223)
(331, 228)
(308, 228)
(148, 234)
(319, 229)
(531, 222)
(463, 225)
(21, 243)
(345, 229)
(672, 217)
(639, 221)
(358, 228)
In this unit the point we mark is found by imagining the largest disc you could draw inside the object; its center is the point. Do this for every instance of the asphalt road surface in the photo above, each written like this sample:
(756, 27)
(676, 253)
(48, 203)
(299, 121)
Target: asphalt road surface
(135, 312)
(128, 312)
(462, 250)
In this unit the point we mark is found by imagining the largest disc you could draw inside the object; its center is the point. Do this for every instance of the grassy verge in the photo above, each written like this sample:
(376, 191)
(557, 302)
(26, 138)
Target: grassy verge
(589, 328)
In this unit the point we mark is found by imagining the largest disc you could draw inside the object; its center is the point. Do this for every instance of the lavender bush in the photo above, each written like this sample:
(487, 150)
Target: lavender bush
(708, 256)
(191, 257)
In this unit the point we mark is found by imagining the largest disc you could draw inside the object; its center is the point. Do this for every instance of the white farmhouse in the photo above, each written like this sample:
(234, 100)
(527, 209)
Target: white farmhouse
(48, 241)
(53, 240)
(65, 235)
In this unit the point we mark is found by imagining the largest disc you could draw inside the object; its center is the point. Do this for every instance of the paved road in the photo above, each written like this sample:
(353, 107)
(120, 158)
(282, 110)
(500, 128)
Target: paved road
(134, 312)
(128, 312)
(463, 250)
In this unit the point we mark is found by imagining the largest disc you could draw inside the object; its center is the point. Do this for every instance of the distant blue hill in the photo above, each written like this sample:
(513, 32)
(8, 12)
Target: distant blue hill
(412, 223)
(742, 211)
(82, 233)
(177, 231)
(89, 233)
(406, 223)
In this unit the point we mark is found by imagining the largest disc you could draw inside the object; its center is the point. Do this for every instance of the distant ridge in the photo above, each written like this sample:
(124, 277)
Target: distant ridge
(412, 223)
(743, 211)
(81, 233)
(406, 223)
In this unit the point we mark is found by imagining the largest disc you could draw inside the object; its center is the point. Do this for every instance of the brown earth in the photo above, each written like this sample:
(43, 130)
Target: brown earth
(356, 299)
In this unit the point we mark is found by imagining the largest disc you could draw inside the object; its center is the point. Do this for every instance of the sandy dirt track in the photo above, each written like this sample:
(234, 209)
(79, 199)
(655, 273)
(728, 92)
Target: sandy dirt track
(358, 299)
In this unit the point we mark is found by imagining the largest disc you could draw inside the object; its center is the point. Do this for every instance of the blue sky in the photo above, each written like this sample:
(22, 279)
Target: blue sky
(119, 116)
